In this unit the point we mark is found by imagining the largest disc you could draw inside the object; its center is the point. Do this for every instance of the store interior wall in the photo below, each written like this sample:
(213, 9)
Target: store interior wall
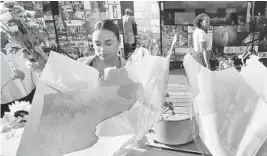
(76, 19)
(230, 31)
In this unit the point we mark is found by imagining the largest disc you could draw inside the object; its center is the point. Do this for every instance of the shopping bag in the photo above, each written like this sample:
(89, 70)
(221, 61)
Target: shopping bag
(229, 113)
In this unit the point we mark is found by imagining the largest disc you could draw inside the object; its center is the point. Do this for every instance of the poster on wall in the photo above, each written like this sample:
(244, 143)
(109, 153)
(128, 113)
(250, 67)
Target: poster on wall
(74, 19)
(95, 11)
(114, 11)
(74, 22)
(78, 12)
(38, 8)
(66, 5)
(60, 26)
(182, 32)
(68, 15)
(49, 25)
(47, 10)
(73, 30)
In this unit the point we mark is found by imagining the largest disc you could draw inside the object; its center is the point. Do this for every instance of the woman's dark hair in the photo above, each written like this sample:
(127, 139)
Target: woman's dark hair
(199, 19)
(108, 25)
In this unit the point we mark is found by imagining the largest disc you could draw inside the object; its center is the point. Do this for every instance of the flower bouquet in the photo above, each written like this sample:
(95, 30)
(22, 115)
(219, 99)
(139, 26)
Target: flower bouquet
(224, 63)
(70, 104)
(168, 105)
(25, 32)
(229, 108)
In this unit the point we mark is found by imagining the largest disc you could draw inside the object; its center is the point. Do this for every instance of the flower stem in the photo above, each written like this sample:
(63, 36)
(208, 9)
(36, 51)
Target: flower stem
(10, 79)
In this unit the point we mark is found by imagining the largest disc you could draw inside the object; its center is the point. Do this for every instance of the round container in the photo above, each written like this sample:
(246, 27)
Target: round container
(174, 130)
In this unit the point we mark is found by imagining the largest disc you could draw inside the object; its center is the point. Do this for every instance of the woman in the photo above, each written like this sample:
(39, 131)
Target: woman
(106, 42)
(152, 45)
(128, 22)
(200, 39)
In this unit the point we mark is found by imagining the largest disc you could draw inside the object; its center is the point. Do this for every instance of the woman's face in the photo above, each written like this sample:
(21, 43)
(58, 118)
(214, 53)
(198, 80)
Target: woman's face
(205, 23)
(106, 44)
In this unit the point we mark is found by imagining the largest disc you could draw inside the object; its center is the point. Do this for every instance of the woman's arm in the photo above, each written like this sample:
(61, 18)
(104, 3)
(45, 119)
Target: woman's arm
(203, 47)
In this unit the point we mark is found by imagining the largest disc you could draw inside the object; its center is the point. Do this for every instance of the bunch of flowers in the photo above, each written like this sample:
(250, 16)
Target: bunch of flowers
(16, 118)
(24, 32)
(168, 104)
(224, 63)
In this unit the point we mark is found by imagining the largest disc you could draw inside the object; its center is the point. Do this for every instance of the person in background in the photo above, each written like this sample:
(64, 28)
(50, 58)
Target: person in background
(169, 20)
(128, 22)
(106, 42)
(200, 40)
(152, 45)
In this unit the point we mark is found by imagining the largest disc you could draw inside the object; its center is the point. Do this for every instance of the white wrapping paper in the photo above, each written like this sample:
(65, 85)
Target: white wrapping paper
(68, 78)
(230, 110)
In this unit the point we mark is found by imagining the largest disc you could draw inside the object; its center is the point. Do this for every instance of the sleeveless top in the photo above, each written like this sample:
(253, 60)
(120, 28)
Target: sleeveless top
(92, 60)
